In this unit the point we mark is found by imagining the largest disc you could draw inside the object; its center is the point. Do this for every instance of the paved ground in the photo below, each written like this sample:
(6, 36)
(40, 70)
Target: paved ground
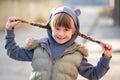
(103, 30)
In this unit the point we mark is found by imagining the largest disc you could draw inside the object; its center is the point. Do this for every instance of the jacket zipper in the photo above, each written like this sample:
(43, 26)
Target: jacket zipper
(52, 69)
(53, 62)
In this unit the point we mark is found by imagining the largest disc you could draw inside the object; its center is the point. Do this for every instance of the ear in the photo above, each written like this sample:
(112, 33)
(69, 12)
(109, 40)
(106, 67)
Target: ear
(78, 12)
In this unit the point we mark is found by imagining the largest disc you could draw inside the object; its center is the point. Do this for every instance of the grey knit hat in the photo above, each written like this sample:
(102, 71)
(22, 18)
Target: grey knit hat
(73, 13)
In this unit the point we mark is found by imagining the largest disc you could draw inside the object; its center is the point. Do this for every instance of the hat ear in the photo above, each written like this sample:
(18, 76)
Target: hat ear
(52, 10)
(78, 12)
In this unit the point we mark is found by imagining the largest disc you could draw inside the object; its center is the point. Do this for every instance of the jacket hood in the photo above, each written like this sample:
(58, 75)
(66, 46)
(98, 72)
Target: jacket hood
(73, 13)
(55, 47)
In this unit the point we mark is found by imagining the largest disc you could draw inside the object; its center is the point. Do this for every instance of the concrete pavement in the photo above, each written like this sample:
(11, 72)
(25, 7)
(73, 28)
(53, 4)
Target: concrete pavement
(103, 31)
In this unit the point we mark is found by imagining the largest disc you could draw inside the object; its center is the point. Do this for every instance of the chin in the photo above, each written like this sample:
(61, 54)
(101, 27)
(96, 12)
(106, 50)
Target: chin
(60, 42)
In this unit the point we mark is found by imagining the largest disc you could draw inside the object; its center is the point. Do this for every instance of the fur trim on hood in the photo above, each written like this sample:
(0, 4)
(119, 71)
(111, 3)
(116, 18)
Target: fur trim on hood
(31, 43)
(84, 50)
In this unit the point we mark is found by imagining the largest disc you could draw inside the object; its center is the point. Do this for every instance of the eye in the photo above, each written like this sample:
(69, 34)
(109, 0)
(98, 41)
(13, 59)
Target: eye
(67, 29)
(57, 28)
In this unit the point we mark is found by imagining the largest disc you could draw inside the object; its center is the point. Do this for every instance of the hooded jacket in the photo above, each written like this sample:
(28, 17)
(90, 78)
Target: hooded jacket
(85, 69)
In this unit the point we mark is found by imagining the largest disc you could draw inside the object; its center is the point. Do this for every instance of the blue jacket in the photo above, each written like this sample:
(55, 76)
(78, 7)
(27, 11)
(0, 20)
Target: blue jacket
(86, 69)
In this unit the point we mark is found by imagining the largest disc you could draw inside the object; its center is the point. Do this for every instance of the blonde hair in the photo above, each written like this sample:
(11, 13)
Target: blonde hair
(62, 19)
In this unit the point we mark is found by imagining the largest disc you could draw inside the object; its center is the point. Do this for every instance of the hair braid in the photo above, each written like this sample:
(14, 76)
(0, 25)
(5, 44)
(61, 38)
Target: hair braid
(34, 24)
(87, 37)
(48, 27)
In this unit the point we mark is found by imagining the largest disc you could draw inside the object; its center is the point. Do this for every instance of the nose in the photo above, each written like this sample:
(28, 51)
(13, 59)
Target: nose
(61, 33)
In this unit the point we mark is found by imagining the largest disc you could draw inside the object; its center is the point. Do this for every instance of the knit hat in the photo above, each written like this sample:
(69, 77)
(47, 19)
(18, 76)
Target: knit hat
(56, 48)
(69, 11)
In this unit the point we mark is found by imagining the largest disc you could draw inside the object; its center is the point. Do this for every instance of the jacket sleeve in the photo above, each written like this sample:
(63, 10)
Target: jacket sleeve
(14, 51)
(91, 72)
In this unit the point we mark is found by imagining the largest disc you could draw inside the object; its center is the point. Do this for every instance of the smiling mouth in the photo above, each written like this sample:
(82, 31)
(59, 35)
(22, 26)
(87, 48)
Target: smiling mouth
(60, 38)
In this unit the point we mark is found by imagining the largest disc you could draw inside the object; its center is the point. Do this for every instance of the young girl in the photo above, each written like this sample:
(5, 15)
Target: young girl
(57, 57)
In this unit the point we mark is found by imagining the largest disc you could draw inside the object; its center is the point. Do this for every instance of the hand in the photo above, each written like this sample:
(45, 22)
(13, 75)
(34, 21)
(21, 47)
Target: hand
(107, 49)
(12, 22)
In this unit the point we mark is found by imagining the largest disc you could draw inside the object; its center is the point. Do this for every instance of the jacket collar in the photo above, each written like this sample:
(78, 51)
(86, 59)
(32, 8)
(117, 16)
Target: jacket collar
(33, 43)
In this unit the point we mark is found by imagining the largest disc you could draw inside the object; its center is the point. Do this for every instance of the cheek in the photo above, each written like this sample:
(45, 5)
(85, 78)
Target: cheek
(72, 32)
(54, 32)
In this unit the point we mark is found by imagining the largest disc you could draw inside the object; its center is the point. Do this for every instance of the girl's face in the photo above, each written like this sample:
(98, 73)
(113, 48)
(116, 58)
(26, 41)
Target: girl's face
(61, 33)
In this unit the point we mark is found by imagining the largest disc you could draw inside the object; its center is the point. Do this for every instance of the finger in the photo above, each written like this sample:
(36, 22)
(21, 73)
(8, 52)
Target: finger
(13, 19)
(107, 46)
(103, 49)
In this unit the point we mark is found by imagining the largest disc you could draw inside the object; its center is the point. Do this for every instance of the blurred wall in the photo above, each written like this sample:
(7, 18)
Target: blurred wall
(33, 10)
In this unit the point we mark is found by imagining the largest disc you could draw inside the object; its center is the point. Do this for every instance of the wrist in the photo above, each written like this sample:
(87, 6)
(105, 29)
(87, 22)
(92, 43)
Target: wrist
(105, 61)
(107, 56)
(9, 28)
(9, 33)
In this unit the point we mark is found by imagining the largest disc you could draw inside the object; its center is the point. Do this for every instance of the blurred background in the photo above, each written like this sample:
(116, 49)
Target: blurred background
(99, 19)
